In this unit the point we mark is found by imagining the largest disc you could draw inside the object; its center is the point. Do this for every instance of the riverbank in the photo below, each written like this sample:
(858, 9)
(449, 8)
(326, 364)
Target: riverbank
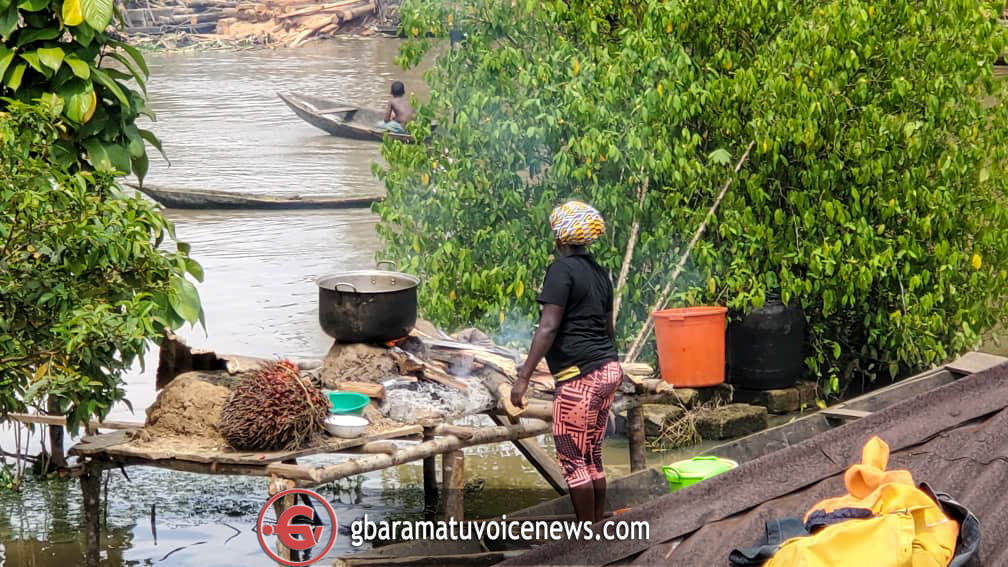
(243, 24)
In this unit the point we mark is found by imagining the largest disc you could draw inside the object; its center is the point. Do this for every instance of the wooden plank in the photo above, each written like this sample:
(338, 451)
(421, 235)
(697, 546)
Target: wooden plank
(375, 391)
(95, 444)
(540, 460)
(844, 413)
(973, 362)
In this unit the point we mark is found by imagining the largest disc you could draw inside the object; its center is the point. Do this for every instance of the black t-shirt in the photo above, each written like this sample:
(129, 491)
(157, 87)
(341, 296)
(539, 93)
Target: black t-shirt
(585, 291)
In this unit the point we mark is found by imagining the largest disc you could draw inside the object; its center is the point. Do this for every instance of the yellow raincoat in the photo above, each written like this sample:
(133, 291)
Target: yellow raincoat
(905, 527)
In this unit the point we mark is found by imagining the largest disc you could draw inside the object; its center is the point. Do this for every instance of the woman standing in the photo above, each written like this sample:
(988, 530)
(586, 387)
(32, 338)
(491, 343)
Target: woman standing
(576, 336)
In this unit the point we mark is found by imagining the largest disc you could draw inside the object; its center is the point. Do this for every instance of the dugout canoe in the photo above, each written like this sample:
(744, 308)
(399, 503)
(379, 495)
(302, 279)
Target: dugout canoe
(647, 485)
(202, 199)
(340, 119)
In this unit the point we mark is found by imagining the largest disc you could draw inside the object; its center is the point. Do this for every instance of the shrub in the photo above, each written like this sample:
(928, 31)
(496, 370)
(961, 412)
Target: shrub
(874, 194)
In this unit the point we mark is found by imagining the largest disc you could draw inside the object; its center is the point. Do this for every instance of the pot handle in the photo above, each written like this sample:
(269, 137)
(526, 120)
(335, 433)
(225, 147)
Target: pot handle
(350, 285)
(379, 263)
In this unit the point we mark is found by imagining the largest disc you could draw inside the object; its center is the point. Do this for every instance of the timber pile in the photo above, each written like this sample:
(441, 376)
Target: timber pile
(177, 23)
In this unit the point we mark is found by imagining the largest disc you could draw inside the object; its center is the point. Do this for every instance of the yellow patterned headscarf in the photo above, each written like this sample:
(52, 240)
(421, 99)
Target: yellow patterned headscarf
(575, 223)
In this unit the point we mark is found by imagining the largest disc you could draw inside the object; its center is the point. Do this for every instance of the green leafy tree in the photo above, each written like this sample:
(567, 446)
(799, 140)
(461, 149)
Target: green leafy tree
(60, 52)
(84, 281)
(873, 195)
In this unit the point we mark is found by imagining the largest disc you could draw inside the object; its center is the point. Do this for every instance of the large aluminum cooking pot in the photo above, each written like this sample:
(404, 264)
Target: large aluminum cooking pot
(367, 305)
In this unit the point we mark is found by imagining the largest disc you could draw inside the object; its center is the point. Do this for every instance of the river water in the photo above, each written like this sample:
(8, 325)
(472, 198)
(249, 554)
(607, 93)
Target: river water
(224, 128)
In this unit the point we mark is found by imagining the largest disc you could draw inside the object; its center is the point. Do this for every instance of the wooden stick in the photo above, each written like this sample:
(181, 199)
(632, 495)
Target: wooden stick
(638, 343)
(631, 244)
(28, 418)
(540, 460)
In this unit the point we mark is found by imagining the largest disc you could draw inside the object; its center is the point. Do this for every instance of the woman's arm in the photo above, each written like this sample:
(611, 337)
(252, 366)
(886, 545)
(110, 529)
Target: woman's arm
(549, 324)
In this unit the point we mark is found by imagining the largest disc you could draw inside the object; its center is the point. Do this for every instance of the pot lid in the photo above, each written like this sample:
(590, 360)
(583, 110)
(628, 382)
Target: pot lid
(367, 281)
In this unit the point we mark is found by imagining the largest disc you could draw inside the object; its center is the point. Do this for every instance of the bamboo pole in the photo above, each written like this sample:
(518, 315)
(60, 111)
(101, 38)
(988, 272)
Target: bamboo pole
(429, 448)
(648, 326)
(631, 244)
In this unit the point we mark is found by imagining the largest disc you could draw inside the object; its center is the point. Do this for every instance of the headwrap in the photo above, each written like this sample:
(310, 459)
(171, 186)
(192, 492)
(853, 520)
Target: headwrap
(575, 223)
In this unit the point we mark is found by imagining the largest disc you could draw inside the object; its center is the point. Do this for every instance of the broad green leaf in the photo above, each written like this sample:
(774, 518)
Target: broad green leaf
(8, 21)
(97, 13)
(14, 76)
(51, 57)
(152, 140)
(134, 53)
(98, 154)
(109, 83)
(6, 56)
(119, 156)
(80, 100)
(28, 35)
(185, 299)
(84, 35)
(136, 143)
(73, 12)
(140, 166)
(194, 268)
(78, 66)
(34, 5)
(136, 75)
(33, 59)
(720, 156)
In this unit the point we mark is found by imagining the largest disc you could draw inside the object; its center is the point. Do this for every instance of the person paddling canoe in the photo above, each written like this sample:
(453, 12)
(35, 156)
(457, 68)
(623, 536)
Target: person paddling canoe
(576, 336)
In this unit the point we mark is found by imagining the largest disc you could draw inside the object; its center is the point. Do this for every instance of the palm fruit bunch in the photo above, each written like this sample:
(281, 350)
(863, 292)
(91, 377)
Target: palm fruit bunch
(273, 409)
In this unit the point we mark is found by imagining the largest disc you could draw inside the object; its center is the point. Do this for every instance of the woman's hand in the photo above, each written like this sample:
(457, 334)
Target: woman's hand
(518, 394)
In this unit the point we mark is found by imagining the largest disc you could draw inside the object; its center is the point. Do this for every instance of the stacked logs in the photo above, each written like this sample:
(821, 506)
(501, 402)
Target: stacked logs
(274, 22)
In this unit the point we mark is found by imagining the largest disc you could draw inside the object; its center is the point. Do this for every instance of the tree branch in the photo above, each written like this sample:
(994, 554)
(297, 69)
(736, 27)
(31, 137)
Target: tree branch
(638, 343)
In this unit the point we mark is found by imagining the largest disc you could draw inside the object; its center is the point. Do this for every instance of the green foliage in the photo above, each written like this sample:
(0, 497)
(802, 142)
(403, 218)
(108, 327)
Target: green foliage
(874, 194)
(83, 282)
(59, 52)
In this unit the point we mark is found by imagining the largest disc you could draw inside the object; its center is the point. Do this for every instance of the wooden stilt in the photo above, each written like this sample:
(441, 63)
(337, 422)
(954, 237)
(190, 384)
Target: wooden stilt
(430, 488)
(276, 486)
(540, 459)
(635, 433)
(58, 456)
(90, 482)
(453, 469)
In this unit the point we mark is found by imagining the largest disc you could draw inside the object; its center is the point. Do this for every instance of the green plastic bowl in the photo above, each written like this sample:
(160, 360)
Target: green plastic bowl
(348, 403)
(691, 471)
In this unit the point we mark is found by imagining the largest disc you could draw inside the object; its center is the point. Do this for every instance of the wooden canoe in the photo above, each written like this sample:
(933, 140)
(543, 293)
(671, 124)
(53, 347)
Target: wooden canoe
(173, 198)
(642, 486)
(339, 119)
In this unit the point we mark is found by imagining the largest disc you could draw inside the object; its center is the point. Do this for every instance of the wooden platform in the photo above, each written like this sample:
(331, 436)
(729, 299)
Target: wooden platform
(119, 444)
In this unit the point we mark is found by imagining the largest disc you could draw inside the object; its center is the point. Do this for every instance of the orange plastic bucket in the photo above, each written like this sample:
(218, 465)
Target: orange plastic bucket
(691, 345)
